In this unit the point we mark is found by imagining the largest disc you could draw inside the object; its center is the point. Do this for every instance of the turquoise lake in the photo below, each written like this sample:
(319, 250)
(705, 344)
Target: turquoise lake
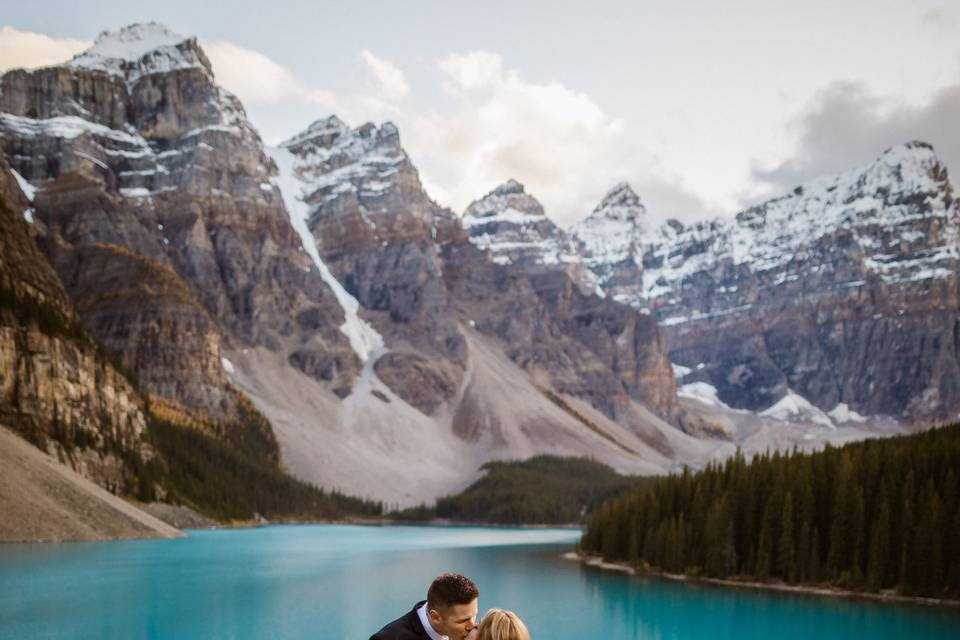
(343, 582)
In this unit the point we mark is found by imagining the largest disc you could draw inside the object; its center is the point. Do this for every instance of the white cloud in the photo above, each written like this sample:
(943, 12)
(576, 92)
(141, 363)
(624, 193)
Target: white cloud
(941, 19)
(498, 125)
(673, 198)
(252, 76)
(557, 141)
(249, 74)
(472, 71)
(847, 125)
(392, 82)
(27, 50)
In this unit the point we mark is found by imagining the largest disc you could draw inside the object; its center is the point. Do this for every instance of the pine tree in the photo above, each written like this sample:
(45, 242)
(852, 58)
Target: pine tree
(842, 530)
(954, 568)
(786, 550)
(906, 529)
(925, 565)
(764, 555)
(713, 539)
(813, 573)
(879, 547)
(803, 552)
(853, 516)
(857, 550)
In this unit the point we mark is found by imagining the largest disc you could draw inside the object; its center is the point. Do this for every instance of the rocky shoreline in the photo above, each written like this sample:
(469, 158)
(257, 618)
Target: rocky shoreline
(810, 590)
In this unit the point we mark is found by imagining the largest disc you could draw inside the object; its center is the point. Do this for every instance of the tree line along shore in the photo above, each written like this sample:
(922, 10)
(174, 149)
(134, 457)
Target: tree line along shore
(874, 516)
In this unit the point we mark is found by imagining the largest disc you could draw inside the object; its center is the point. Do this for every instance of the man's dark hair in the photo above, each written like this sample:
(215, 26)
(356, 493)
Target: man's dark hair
(450, 589)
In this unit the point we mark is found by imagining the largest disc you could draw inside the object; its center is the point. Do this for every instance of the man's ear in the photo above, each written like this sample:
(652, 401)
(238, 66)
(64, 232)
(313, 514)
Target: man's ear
(434, 616)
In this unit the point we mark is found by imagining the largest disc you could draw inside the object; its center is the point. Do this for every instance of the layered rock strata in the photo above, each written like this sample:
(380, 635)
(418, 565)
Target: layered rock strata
(622, 354)
(132, 145)
(844, 291)
(56, 388)
(374, 227)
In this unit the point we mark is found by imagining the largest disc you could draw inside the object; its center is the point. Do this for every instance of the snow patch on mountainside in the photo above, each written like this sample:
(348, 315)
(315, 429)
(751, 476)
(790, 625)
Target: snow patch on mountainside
(508, 215)
(702, 391)
(679, 371)
(28, 189)
(795, 408)
(363, 338)
(842, 413)
(68, 128)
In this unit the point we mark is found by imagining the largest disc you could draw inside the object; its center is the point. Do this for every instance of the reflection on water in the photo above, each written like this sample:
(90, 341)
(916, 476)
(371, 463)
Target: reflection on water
(346, 581)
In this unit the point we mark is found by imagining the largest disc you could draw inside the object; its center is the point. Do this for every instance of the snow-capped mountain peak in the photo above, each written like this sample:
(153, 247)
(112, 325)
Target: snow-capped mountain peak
(141, 49)
(610, 238)
(365, 162)
(323, 132)
(509, 202)
(132, 42)
(330, 138)
(621, 202)
(509, 187)
(511, 224)
(861, 255)
(330, 145)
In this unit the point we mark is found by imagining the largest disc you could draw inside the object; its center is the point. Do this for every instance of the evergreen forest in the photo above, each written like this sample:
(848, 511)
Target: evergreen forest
(878, 515)
(541, 490)
(226, 483)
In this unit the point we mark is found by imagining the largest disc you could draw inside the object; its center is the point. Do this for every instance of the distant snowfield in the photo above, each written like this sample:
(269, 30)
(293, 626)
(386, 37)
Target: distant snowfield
(795, 408)
(792, 422)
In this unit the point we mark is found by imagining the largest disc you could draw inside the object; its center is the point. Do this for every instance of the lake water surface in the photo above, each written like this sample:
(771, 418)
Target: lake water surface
(343, 582)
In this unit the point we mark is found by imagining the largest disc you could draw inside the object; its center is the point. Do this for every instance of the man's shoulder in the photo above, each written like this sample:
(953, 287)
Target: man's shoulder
(406, 627)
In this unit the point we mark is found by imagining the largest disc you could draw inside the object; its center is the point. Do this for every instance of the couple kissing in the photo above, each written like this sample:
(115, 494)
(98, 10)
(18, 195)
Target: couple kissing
(450, 613)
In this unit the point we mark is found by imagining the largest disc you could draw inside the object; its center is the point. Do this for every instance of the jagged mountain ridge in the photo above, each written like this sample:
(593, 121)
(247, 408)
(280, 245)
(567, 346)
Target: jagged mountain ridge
(610, 240)
(384, 344)
(461, 369)
(386, 359)
(826, 292)
(365, 195)
(146, 153)
(512, 226)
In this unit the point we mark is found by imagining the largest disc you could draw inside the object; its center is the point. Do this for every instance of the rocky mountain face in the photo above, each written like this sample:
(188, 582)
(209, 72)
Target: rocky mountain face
(320, 280)
(610, 240)
(409, 264)
(511, 224)
(395, 346)
(56, 388)
(844, 291)
(464, 358)
(373, 226)
(161, 218)
(511, 227)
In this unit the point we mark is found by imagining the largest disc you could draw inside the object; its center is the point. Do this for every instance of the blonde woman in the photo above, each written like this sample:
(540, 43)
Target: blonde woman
(499, 624)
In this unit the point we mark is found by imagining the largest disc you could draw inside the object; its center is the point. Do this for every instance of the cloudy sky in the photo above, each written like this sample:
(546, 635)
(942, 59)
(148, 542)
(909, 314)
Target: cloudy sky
(704, 107)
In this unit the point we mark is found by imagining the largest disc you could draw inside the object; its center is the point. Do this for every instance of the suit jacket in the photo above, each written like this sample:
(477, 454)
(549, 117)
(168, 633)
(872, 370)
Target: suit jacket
(406, 627)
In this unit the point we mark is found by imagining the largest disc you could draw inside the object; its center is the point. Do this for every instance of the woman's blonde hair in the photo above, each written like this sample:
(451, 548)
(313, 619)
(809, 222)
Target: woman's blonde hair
(500, 624)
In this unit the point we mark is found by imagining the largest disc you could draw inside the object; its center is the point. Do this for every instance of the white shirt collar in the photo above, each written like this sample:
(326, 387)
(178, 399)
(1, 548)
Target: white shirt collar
(422, 612)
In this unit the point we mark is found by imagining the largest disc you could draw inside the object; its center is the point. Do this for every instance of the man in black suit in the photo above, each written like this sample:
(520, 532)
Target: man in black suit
(448, 613)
